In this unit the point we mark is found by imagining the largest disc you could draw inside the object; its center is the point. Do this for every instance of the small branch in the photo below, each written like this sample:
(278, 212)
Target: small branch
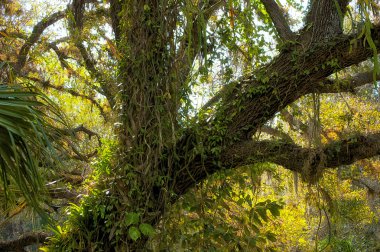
(276, 132)
(47, 84)
(296, 124)
(78, 155)
(211, 7)
(347, 84)
(278, 18)
(72, 132)
(83, 129)
(90, 66)
(61, 56)
(12, 34)
(35, 36)
(62, 59)
(23, 241)
(293, 122)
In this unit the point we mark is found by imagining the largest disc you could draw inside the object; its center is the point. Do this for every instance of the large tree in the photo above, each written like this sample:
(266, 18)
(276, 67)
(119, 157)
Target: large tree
(159, 49)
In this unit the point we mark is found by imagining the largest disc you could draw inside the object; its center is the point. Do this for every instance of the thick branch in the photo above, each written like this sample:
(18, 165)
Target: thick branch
(324, 20)
(280, 83)
(34, 37)
(23, 241)
(261, 95)
(347, 84)
(278, 18)
(308, 162)
(115, 9)
(305, 161)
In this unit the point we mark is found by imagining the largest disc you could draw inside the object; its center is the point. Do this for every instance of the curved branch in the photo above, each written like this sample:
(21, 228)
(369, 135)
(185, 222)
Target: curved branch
(310, 162)
(38, 29)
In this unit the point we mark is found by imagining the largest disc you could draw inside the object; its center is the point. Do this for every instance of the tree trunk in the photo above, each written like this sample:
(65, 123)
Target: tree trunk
(159, 160)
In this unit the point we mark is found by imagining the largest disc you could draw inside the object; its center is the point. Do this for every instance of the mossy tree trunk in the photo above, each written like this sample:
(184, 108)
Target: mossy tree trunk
(164, 159)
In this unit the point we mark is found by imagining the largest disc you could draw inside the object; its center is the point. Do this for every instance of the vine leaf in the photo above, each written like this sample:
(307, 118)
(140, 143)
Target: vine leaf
(147, 229)
(134, 233)
(131, 218)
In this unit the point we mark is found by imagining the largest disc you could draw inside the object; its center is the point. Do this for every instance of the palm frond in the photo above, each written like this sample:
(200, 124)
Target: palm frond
(22, 137)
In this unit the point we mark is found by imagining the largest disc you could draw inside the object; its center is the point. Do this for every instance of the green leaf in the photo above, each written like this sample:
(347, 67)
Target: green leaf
(275, 210)
(131, 218)
(255, 228)
(240, 202)
(271, 236)
(146, 229)
(263, 213)
(134, 233)
(256, 219)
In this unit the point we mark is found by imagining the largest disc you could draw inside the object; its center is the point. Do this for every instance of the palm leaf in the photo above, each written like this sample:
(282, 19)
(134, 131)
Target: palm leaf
(23, 136)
